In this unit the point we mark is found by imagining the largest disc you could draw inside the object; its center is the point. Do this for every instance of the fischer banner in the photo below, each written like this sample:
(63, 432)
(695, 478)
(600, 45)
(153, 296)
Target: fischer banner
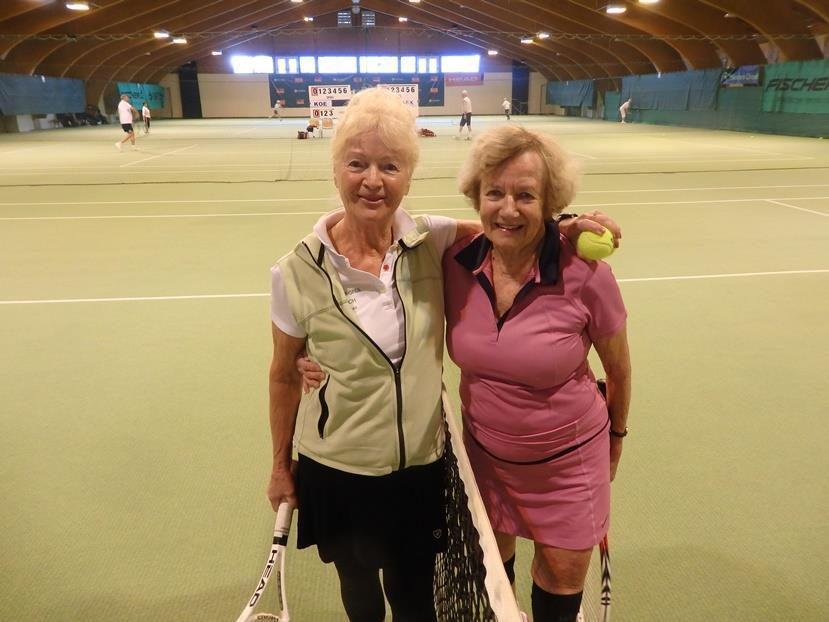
(799, 86)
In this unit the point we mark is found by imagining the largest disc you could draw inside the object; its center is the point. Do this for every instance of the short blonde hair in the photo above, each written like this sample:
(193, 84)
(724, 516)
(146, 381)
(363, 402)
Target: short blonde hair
(496, 146)
(381, 111)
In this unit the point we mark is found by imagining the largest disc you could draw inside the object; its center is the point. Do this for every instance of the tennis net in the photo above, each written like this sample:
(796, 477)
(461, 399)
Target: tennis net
(470, 582)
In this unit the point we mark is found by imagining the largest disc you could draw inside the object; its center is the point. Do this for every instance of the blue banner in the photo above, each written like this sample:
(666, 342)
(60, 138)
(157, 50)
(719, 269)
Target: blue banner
(153, 94)
(40, 95)
(744, 75)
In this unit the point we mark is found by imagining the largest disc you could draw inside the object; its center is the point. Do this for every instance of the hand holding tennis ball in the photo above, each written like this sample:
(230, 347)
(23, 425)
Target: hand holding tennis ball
(594, 246)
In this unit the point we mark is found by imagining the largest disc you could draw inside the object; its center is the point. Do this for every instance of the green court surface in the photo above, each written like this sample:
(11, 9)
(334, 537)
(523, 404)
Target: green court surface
(135, 341)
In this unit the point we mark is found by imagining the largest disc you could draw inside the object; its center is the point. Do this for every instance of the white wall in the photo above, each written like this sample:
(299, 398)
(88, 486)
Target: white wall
(172, 97)
(538, 96)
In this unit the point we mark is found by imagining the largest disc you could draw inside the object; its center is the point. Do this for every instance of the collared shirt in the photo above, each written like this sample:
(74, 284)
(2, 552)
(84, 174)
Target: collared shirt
(526, 373)
(374, 299)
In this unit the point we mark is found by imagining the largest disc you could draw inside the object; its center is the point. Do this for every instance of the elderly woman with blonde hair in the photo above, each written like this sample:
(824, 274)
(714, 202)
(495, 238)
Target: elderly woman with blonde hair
(363, 295)
(522, 312)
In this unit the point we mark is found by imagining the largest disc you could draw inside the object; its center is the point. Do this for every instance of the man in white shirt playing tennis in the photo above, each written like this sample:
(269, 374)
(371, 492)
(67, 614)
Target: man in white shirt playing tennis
(126, 113)
(624, 108)
(507, 106)
(466, 116)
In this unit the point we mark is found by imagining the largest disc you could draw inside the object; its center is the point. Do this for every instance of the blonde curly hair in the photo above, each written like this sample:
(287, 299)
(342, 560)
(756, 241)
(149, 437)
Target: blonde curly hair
(494, 147)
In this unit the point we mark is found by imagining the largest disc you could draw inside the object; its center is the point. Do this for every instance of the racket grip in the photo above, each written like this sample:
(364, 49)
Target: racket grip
(284, 514)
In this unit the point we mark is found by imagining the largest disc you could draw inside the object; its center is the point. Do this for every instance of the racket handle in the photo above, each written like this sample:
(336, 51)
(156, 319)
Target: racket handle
(284, 514)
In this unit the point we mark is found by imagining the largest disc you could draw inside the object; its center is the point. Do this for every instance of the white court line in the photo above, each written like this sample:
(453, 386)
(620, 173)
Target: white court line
(410, 197)
(422, 210)
(720, 276)
(710, 146)
(802, 209)
(263, 295)
(128, 299)
(583, 155)
(160, 155)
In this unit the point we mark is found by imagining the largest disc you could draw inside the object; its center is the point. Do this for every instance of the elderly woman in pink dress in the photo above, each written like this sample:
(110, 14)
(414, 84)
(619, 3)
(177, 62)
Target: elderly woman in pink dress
(522, 312)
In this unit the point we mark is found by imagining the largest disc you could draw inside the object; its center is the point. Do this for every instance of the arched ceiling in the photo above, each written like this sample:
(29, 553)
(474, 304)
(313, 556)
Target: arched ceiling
(114, 40)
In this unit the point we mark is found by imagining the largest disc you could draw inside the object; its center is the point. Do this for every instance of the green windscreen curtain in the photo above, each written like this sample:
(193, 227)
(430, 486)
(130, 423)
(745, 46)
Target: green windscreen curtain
(685, 90)
(799, 86)
(570, 93)
(40, 94)
(153, 94)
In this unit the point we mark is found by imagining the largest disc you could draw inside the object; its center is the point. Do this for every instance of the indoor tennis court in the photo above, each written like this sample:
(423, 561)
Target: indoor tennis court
(134, 447)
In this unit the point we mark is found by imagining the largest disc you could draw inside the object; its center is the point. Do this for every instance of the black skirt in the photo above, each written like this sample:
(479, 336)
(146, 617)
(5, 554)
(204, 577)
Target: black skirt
(375, 520)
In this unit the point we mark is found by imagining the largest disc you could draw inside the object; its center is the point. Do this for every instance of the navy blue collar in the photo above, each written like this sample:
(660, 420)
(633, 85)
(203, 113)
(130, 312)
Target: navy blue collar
(472, 256)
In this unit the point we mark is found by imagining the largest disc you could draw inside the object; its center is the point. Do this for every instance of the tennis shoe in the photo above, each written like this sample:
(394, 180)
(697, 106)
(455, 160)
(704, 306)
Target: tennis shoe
(118, 146)
(580, 617)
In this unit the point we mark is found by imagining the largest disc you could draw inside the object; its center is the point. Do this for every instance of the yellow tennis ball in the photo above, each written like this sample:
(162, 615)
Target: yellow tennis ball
(594, 246)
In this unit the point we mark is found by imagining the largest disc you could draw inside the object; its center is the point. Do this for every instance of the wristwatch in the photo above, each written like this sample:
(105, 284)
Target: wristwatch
(619, 434)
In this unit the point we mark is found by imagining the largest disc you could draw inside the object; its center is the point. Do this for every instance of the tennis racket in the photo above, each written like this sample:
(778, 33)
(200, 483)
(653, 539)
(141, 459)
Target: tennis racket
(596, 602)
(274, 565)
(604, 554)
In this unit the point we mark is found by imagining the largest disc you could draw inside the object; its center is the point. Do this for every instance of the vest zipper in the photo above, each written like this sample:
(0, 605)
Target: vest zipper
(398, 389)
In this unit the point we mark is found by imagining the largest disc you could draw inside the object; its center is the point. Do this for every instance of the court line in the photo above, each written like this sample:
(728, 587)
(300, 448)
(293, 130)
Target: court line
(263, 295)
(720, 276)
(408, 198)
(802, 209)
(160, 155)
(429, 210)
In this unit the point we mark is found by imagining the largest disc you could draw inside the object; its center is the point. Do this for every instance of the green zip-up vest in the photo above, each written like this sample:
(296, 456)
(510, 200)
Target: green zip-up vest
(370, 417)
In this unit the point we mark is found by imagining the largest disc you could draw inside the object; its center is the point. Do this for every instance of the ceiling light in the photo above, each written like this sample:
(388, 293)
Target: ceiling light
(402, 19)
(729, 16)
(77, 6)
(543, 35)
(615, 9)
(161, 34)
(492, 52)
(526, 40)
(296, 1)
(179, 40)
(308, 19)
(648, 1)
(415, 1)
(216, 52)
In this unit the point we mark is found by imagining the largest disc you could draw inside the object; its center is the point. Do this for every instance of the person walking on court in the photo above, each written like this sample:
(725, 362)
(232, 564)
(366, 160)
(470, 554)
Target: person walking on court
(624, 108)
(466, 116)
(126, 114)
(363, 294)
(146, 115)
(507, 106)
(275, 112)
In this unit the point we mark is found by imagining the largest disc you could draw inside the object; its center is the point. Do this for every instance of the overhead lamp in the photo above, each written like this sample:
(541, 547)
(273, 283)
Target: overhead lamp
(648, 1)
(77, 6)
(414, 1)
(402, 19)
(179, 40)
(615, 9)
(492, 52)
(527, 40)
(543, 35)
(308, 19)
(216, 52)
(729, 16)
(296, 1)
(161, 34)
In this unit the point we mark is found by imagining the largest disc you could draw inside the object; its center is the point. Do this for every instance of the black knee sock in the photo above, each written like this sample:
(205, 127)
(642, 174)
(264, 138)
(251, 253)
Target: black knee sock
(509, 568)
(361, 592)
(549, 607)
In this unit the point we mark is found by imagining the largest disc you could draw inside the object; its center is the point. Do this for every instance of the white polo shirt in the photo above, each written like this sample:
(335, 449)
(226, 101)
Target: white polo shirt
(374, 299)
(124, 111)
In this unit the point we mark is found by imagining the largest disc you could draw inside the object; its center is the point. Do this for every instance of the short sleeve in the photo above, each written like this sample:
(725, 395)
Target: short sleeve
(442, 230)
(280, 309)
(603, 300)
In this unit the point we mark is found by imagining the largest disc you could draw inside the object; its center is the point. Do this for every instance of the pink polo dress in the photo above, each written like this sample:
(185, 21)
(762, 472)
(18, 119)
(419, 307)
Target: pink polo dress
(535, 425)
